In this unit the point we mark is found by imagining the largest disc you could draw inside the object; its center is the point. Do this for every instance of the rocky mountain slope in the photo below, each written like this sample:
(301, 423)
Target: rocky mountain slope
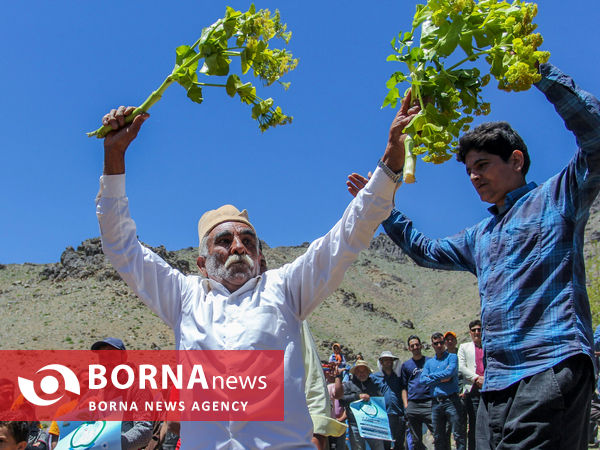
(384, 298)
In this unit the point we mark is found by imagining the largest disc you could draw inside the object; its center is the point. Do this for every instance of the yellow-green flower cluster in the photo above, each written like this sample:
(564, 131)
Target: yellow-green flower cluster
(499, 31)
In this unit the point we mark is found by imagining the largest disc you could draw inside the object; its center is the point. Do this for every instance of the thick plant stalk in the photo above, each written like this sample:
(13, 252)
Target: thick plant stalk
(144, 107)
(410, 161)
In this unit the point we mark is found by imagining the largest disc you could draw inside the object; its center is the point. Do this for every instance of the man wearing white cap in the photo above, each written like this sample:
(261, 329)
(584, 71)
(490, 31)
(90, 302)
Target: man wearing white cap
(390, 386)
(233, 307)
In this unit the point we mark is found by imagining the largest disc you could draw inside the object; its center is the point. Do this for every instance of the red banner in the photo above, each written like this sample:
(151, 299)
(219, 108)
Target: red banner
(204, 385)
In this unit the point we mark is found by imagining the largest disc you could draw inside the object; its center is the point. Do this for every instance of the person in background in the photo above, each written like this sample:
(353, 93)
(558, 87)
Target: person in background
(440, 374)
(134, 434)
(451, 342)
(470, 366)
(333, 375)
(360, 387)
(337, 356)
(13, 434)
(390, 386)
(452, 347)
(415, 395)
(37, 438)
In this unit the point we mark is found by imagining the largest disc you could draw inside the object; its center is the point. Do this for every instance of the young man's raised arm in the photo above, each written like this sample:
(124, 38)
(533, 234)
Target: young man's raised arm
(579, 183)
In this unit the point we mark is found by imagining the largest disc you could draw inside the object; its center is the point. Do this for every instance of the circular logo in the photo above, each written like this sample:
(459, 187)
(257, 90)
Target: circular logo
(369, 409)
(85, 436)
(49, 385)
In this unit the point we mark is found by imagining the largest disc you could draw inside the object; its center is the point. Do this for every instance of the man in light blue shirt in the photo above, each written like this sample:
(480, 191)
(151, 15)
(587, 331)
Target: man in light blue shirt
(441, 375)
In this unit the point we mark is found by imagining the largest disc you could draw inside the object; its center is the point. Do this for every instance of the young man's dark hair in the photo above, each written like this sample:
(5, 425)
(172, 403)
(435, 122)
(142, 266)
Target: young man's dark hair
(18, 429)
(472, 323)
(497, 138)
(437, 335)
(411, 337)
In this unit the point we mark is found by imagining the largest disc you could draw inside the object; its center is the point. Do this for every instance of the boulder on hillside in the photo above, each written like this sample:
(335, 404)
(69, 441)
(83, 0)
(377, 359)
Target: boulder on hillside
(89, 261)
(385, 247)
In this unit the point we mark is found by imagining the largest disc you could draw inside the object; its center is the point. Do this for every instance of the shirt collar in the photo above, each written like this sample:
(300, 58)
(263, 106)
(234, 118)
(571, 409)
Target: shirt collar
(511, 198)
(209, 284)
(444, 355)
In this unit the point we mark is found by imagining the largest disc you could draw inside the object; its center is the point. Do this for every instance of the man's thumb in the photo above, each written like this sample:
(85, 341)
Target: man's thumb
(138, 120)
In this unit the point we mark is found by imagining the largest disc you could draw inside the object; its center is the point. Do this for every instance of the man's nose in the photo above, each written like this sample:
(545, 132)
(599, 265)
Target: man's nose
(237, 246)
(474, 176)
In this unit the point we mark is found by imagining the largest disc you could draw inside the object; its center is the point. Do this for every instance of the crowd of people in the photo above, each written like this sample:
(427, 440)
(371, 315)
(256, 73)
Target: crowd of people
(439, 393)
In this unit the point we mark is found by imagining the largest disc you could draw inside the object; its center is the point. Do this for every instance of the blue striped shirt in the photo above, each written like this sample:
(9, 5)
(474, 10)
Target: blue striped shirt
(528, 259)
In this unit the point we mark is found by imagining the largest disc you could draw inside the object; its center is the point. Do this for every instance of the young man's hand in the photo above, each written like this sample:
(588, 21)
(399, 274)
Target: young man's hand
(356, 182)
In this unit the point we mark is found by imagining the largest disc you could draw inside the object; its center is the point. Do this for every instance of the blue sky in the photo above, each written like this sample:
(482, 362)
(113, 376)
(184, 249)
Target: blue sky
(66, 63)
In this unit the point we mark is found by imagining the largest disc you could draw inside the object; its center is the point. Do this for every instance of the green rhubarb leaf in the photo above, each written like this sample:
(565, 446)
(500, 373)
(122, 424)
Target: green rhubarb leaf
(194, 93)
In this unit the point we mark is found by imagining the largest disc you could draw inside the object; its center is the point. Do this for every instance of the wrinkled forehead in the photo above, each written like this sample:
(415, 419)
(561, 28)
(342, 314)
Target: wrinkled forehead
(231, 228)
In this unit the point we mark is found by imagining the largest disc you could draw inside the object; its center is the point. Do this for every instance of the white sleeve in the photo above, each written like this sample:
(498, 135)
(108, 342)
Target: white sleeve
(463, 366)
(318, 272)
(155, 282)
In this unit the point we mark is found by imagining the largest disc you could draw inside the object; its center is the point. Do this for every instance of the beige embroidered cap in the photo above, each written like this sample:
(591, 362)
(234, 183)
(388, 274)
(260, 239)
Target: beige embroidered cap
(226, 213)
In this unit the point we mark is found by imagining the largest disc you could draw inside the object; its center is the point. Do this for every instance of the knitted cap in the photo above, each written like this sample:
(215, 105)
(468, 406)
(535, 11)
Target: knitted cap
(226, 213)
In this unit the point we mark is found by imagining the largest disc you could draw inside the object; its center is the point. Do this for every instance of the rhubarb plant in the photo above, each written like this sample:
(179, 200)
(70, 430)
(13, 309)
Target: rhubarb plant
(445, 71)
(204, 64)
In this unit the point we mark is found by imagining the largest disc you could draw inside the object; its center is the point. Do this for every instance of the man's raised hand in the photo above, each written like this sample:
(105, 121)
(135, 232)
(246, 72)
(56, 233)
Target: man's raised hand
(356, 182)
(394, 151)
(117, 141)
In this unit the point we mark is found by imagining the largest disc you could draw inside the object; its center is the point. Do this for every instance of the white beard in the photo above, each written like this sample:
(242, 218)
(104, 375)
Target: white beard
(225, 271)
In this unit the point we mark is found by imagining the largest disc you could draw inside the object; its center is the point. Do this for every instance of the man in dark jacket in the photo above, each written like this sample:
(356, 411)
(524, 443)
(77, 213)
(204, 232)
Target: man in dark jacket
(359, 387)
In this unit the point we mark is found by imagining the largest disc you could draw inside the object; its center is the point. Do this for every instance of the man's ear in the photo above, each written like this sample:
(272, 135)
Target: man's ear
(201, 262)
(22, 445)
(517, 160)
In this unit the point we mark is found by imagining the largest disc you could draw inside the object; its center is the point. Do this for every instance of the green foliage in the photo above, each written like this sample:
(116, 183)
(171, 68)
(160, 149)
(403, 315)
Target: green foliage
(449, 95)
(243, 35)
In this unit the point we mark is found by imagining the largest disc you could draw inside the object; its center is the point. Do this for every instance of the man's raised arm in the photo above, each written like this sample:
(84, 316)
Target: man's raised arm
(318, 272)
(580, 111)
(155, 282)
